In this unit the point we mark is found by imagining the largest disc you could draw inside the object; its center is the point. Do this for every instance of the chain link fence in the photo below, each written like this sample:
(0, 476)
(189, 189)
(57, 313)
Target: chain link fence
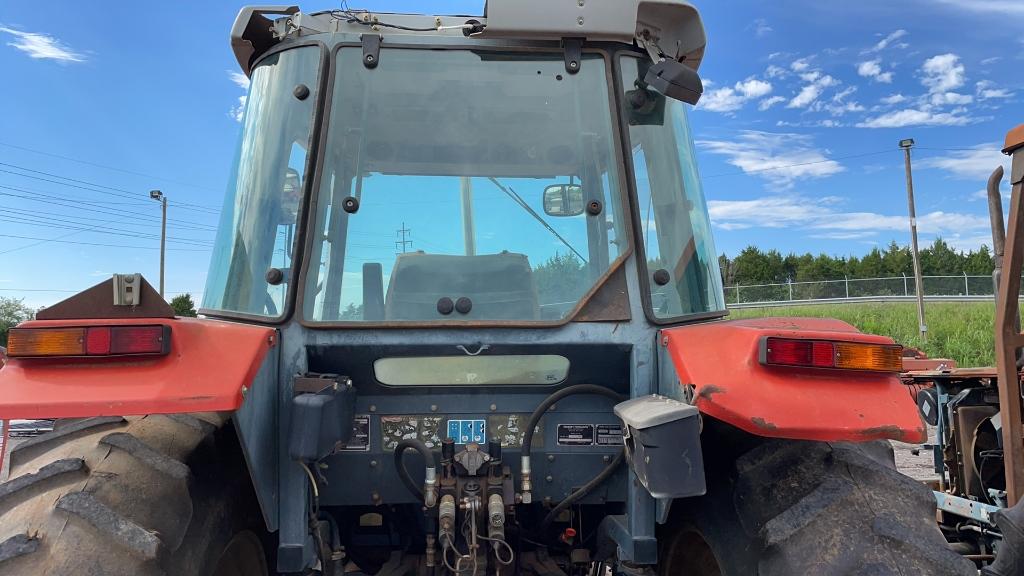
(859, 288)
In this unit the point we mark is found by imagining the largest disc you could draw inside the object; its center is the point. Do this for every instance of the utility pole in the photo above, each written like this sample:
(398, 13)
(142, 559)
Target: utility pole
(402, 232)
(159, 196)
(906, 145)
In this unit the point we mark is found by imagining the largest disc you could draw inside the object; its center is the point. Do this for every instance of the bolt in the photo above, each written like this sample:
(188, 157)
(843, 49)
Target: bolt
(373, 407)
(433, 407)
(370, 58)
(580, 20)
(606, 458)
(573, 64)
(373, 463)
(551, 457)
(579, 2)
(494, 407)
(553, 407)
(245, 390)
(375, 497)
(549, 479)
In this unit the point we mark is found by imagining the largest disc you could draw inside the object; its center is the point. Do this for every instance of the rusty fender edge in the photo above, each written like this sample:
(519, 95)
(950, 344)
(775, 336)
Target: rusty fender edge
(720, 361)
(209, 363)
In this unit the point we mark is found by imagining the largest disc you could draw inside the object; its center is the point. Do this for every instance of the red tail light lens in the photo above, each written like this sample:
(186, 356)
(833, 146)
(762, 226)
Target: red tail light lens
(137, 340)
(89, 341)
(831, 354)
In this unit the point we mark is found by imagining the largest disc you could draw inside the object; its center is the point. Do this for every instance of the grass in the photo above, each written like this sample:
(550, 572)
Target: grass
(962, 331)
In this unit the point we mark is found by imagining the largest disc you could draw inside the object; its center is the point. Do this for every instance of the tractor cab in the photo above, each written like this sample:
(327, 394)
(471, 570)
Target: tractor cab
(461, 318)
(447, 179)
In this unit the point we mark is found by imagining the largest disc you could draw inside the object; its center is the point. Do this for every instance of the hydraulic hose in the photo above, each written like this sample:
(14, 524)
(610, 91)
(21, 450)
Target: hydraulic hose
(531, 425)
(427, 495)
(581, 492)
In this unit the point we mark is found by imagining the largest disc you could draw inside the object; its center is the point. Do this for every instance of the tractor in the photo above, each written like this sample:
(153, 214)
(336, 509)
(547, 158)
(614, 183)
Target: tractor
(463, 317)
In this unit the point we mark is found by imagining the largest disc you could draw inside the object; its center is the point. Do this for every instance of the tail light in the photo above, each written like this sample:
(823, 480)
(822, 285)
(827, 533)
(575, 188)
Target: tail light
(91, 341)
(831, 354)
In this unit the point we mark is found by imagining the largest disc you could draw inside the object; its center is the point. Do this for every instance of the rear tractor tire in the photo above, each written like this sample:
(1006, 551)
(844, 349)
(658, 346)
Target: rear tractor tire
(110, 496)
(791, 507)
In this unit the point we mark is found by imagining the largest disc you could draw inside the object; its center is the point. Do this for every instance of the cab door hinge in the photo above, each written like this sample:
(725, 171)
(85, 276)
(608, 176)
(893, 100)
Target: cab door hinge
(371, 49)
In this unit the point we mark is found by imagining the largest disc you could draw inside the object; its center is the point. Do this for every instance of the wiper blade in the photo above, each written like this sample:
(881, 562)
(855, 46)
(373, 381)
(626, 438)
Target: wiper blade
(522, 203)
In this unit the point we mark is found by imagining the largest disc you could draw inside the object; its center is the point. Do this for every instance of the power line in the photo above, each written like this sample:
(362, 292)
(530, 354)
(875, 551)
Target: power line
(103, 245)
(89, 186)
(28, 221)
(122, 170)
(98, 207)
(75, 219)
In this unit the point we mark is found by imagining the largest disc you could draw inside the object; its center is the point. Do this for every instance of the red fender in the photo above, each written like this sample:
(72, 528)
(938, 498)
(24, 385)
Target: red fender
(720, 360)
(208, 364)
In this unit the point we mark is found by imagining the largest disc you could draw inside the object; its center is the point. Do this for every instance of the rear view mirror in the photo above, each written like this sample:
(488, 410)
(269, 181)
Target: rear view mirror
(675, 80)
(563, 200)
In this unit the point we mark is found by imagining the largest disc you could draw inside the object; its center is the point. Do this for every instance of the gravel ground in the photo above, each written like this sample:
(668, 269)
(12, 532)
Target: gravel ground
(920, 467)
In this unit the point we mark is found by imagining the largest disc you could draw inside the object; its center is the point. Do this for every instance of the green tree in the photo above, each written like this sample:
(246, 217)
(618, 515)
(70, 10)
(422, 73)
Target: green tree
(13, 311)
(183, 305)
(562, 278)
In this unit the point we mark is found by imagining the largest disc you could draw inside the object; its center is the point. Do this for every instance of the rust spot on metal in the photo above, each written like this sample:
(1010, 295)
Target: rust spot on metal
(709, 390)
(889, 431)
(763, 424)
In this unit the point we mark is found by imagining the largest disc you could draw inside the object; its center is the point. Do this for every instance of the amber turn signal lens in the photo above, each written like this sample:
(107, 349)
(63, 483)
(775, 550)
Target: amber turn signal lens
(26, 342)
(877, 357)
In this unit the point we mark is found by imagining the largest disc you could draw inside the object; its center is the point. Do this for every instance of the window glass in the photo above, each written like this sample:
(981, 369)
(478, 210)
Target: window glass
(447, 154)
(539, 369)
(260, 213)
(681, 262)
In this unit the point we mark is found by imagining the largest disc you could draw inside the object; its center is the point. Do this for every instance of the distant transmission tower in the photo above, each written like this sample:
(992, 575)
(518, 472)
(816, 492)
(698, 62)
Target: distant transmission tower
(402, 244)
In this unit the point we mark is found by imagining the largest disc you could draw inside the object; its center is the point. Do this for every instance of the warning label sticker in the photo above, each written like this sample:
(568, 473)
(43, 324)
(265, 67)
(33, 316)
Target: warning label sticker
(575, 434)
(360, 440)
(609, 435)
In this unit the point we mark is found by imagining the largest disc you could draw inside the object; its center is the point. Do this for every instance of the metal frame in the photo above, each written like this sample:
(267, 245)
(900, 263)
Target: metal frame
(625, 191)
(1009, 338)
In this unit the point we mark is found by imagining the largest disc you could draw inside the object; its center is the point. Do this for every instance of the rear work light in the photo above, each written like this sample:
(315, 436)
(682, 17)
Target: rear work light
(91, 341)
(831, 354)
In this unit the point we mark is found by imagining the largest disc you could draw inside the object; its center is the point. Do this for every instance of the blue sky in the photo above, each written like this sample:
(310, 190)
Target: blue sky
(804, 104)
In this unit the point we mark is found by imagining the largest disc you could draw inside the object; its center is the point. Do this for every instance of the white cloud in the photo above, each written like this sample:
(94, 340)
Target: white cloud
(916, 117)
(782, 159)
(885, 42)
(991, 60)
(761, 28)
(998, 7)
(809, 93)
(801, 64)
(893, 99)
(942, 73)
(42, 46)
(951, 99)
(872, 70)
(975, 164)
(774, 71)
(986, 91)
(822, 218)
(237, 111)
(730, 99)
(769, 102)
(240, 80)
